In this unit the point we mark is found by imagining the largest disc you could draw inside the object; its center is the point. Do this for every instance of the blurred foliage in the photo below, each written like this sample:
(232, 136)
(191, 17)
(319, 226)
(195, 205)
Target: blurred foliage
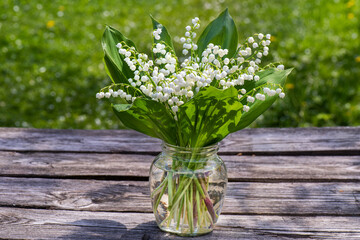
(51, 58)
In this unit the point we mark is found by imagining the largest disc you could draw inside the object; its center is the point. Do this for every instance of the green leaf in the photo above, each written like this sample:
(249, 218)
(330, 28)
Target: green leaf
(222, 31)
(113, 71)
(164, 36)
(148, 117)
(270, 75)
(209, 116)
(115, 66)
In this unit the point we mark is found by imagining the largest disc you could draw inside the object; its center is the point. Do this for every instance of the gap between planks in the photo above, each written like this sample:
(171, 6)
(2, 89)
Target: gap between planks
(125, 178)
(229, 153)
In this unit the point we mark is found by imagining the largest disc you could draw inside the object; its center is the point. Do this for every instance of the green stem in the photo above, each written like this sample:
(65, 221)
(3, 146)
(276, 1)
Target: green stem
(169, 218)
(207, 201)
(170, 187)
(188, 199)
(204, 194)
(210, 218)
(190, 207)
(180, 210)
(159, 197)
(198, 185)
(204, 212)
(184, 184)
(157, 190)
(198, 205)
(195, 212)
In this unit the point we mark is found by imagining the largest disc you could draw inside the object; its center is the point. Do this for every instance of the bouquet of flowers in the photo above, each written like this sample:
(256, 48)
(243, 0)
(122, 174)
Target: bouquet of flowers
(219, 88)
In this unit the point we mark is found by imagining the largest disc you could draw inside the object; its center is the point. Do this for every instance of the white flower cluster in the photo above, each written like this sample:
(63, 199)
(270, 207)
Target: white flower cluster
(165, 81)
(187, 41)
(157, 33)
(118, 93)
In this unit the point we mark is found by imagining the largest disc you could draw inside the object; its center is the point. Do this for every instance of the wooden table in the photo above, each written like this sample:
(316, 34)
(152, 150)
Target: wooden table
(81, 184)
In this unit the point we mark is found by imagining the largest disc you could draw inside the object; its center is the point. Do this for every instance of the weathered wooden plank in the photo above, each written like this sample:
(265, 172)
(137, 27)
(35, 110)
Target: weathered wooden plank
(54, 224)
(242, 197)
(137, 165)
(261, 140)
(294, 140)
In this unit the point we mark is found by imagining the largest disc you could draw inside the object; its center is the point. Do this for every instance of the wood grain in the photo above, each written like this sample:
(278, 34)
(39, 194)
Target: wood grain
(54, 224)
(262, 140)
(137, 165)
(126, 196)
(79, 184)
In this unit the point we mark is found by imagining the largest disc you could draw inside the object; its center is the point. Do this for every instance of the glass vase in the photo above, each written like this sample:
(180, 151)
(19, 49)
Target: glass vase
(188, 186)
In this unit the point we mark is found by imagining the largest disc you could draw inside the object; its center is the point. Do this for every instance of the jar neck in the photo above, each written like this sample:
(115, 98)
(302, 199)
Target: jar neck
(200, 152)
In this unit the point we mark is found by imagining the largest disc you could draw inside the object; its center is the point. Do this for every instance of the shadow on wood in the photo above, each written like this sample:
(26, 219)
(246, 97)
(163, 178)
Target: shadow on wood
(94, 229)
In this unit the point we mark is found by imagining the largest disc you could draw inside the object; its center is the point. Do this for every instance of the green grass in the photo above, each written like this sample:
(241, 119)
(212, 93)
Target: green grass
(51, 57)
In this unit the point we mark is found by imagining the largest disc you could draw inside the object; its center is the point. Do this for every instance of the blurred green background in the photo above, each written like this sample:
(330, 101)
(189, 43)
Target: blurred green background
(51, 58)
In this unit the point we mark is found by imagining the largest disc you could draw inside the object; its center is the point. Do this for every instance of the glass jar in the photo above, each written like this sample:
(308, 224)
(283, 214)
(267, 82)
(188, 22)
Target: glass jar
(187, 186)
